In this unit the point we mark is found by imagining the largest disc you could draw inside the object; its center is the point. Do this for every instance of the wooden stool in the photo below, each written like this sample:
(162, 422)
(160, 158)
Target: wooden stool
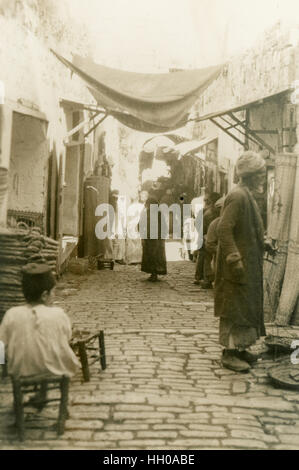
(105, 264)
(83, 344)
(23, 385)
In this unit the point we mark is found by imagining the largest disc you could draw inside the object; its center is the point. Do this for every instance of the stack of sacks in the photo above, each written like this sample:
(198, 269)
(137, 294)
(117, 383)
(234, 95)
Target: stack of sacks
(12, 258)
(18, 248)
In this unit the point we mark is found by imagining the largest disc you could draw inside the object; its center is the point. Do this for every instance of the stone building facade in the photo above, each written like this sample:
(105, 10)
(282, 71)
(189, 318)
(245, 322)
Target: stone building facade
(259, 91)
(259, 82)
(44, 161)
(34, 124)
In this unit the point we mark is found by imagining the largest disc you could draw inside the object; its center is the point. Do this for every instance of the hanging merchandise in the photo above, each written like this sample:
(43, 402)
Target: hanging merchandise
(279, 215)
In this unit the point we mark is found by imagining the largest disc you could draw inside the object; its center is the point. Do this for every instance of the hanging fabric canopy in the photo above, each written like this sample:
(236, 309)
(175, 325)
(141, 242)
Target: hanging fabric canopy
(145, 102)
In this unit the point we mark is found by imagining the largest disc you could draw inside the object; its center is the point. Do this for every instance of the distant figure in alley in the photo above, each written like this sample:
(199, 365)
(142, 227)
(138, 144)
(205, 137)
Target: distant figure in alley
(153, 249)
(239, 266)
(203, 275)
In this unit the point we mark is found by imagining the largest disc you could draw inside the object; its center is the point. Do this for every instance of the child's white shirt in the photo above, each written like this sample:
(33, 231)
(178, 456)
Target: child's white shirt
(37, 341)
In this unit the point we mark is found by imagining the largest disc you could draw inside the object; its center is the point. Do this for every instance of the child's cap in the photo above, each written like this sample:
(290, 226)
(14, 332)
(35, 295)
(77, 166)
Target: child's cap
(33, 269)
(36, 278)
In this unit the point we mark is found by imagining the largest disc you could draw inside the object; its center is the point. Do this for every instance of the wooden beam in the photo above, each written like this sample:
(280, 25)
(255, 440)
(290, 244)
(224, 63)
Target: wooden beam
(291, 144)
(279, 140)
(247, 121)
(95, 126)
(279, 94)
(76, 105)
(231, 126)
(264, 131)
(227, 132)
(251, 133)
(247, 137)
(235, 126)
(81, 124)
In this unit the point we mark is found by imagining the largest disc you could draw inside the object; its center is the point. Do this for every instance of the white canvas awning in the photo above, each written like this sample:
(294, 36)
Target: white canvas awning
(192, 147)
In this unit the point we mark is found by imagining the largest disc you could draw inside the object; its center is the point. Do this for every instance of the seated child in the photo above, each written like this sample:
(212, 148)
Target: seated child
(37, 335)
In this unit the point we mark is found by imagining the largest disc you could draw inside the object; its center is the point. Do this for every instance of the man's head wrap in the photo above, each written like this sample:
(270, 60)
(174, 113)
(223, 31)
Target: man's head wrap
(249, 163)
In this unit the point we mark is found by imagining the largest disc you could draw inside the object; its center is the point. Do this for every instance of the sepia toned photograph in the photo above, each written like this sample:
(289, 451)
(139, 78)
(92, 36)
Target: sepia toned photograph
(149, 228)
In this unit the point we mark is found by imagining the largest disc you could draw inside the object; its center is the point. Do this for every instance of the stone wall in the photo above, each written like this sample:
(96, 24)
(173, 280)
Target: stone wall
(123, 146)
(267, 69)
(33, 78)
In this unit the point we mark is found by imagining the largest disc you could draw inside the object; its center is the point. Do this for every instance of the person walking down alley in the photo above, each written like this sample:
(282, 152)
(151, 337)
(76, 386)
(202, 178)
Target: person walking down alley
(153, 245)
(239, 266)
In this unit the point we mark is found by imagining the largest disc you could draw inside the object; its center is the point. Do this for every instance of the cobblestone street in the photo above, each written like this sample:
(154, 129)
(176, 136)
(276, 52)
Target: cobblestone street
(164, 387)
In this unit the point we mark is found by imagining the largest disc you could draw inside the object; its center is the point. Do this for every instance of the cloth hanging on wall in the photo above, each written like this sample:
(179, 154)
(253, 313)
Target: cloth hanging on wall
(290, 288)
(279, 227)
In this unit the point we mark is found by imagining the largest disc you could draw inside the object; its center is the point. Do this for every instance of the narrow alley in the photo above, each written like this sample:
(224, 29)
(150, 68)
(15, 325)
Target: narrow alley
(149, 229)
(164, 387)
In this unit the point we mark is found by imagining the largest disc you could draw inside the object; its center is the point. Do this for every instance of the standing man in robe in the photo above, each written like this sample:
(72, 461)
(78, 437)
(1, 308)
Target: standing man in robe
(239, 266)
